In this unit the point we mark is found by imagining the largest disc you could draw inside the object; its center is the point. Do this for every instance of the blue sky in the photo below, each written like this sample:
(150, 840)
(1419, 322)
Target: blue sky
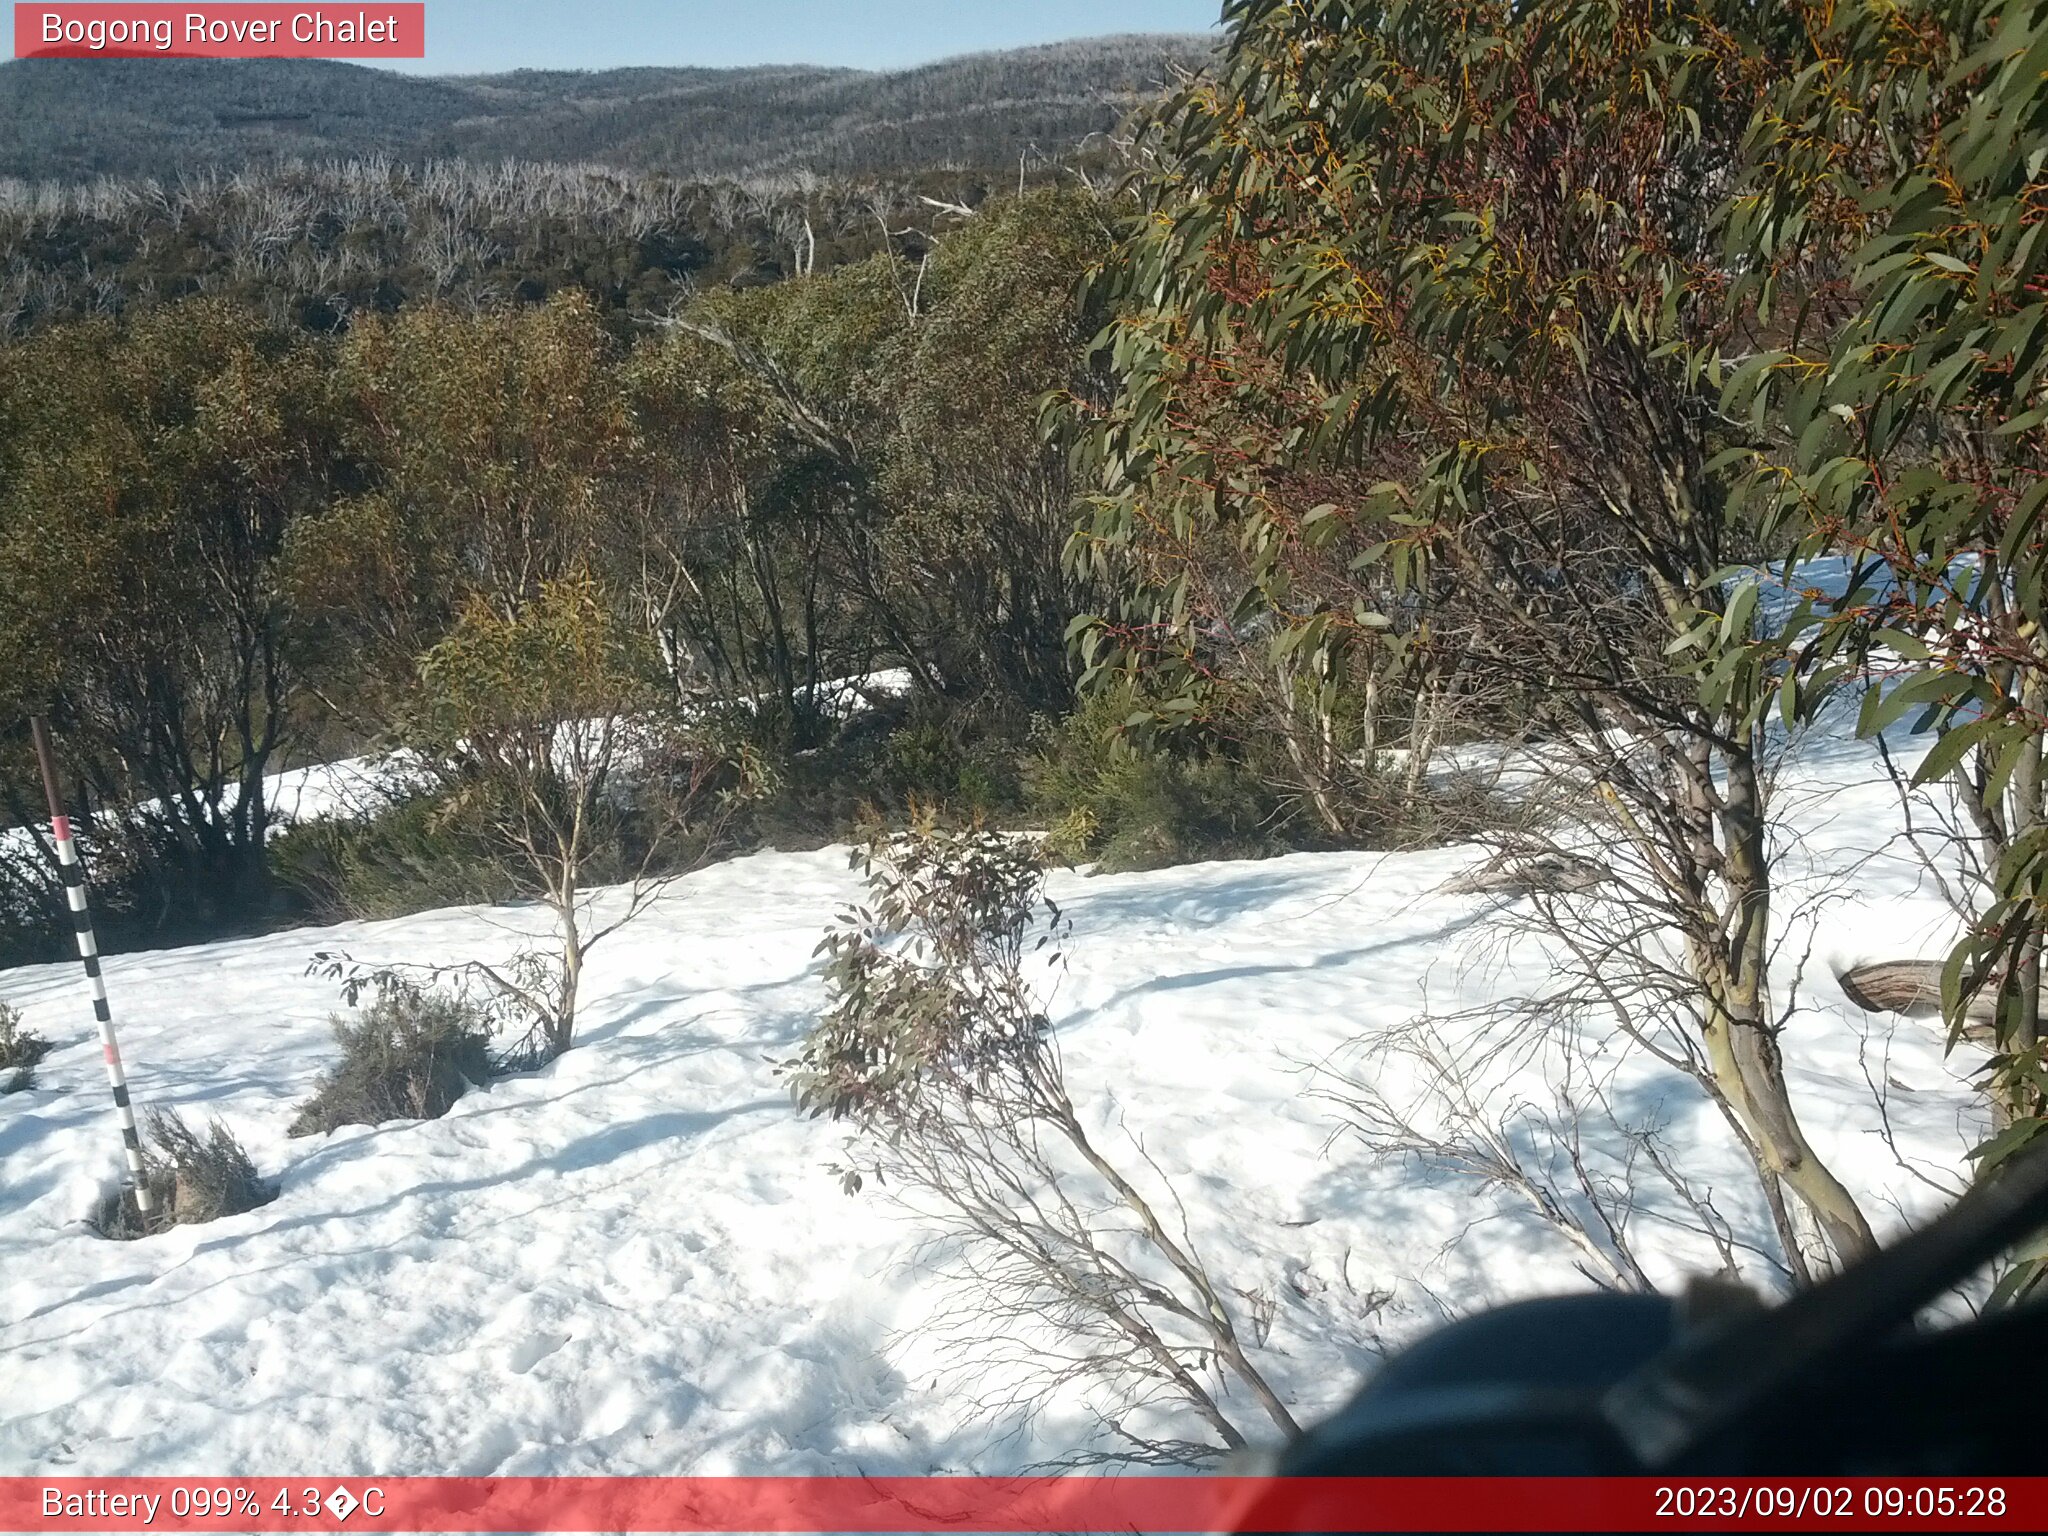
(473, 36)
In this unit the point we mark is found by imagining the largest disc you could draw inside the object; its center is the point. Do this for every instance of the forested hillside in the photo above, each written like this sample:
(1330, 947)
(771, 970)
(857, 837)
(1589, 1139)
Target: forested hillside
(313, 244)
(169, 119)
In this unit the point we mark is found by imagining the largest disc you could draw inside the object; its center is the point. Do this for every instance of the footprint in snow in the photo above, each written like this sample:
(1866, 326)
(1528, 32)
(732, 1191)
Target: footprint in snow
(533, 1349)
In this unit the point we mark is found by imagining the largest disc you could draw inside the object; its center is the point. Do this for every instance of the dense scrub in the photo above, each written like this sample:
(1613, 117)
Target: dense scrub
(1112, 802)
(299, 541)
(409, 1055)
(421, 853)
(190, 1178)
(20, 1049)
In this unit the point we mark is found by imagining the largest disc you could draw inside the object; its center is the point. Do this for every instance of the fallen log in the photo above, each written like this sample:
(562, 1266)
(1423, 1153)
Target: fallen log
(1912, 988)
(1515, 873)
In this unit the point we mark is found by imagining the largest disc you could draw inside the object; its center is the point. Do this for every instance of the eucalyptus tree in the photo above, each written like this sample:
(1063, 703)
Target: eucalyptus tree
(1422, 332)
(490, 446)
(891, 412)
(150, 475)
(1911, 440)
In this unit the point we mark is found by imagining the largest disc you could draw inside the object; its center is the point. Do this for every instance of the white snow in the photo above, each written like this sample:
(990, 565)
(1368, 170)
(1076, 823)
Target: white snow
(636, 1261)
(352, 789)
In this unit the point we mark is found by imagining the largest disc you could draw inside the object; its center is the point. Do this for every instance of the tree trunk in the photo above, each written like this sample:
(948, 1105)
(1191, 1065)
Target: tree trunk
(2026, 819)
(562, 1028)
(1742, 1043)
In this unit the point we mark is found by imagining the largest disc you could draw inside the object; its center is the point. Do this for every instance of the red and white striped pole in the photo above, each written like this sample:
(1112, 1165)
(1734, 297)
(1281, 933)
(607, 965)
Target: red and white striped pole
(89, 954)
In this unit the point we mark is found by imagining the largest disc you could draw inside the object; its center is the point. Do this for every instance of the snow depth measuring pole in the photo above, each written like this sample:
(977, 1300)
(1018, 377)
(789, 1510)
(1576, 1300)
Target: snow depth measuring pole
(89, 954)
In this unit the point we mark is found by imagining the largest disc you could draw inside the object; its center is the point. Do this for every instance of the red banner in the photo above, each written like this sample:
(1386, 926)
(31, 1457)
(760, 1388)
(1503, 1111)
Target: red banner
(974, 1504)
(372, 30)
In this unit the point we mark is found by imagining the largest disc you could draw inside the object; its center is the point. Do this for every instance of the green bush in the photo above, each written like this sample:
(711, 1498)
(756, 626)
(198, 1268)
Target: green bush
(1152, 812)
(20, 1050)
(189, 1180)
(412, 1053)
(424, 852)
(958, 762)
(955, 761)
(1110, 801)
(148, 891)
(32, 926)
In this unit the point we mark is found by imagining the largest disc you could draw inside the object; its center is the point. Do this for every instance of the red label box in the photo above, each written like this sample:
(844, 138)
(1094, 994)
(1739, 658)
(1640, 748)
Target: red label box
(957, 1506)
(366, 29)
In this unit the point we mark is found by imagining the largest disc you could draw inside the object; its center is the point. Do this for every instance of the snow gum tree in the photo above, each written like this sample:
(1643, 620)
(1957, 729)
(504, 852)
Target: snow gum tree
(938, 1047)
(867, 444)
(1424, 328)
(149, 472)
(459, 609)
(492, 446)
(1911, 439)
(533, 721)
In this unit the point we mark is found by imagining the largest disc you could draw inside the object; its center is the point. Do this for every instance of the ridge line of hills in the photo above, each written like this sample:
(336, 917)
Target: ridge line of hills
(75, 120)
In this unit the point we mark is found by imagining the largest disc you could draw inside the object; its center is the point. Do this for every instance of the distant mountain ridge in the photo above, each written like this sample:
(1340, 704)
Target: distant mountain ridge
(73, 120)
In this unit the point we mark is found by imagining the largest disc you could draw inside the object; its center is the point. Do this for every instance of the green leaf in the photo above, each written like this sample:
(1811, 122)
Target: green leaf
(1949, 751)
(1735, 623)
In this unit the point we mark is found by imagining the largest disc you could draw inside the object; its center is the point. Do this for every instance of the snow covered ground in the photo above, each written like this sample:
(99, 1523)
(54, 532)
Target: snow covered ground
(636, 1261)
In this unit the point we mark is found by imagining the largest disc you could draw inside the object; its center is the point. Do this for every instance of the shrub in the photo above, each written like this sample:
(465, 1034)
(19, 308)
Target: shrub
(410, 1056)
(937, 1049)
(20, 1050)
(956, 760)
(424, 852)
(1109, 798)
(34, 926)
(144, 894)
(1153, 812)
(189, 1180)
(1127, 807)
